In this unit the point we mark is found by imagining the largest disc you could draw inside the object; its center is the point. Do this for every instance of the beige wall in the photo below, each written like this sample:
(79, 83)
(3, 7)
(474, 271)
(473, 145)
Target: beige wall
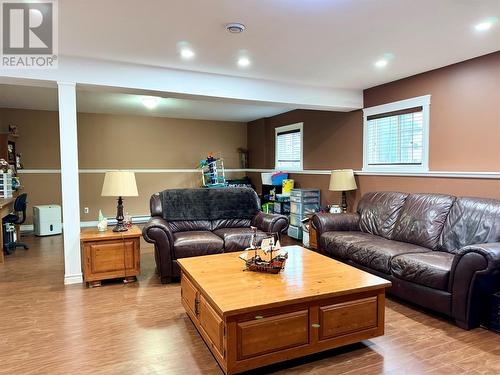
(114, 141)
(38, 136)
(120, 142)
(464, 133)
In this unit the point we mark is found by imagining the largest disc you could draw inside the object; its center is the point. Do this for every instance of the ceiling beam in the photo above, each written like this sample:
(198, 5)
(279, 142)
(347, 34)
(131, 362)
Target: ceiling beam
(182, 83)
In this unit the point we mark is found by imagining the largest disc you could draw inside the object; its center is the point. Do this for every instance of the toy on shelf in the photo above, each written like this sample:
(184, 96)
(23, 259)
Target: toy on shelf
(212, 171)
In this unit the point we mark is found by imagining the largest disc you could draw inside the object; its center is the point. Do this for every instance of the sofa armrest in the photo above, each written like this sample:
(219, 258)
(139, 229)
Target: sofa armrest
(475, 275)
(158, 232)
(270, 223)
(490, 252)
(325, 222)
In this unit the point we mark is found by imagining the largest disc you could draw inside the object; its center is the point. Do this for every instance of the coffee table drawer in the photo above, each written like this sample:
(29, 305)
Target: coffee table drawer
(347, 317)
(189, 295)
(212, 324)
(273, 333)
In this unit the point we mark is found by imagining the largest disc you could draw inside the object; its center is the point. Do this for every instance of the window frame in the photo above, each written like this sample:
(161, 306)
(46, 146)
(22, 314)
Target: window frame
(286, 128)
(419, 101)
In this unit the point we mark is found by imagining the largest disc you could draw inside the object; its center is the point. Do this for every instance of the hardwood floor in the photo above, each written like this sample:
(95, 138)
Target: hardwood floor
(141, 328)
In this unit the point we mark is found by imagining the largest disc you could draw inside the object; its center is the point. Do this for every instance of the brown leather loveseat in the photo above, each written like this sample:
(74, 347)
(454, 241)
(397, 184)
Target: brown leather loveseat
(193, 222)
(439, 251)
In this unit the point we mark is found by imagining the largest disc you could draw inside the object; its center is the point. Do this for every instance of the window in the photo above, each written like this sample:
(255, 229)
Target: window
(289, 147)
(396, 136)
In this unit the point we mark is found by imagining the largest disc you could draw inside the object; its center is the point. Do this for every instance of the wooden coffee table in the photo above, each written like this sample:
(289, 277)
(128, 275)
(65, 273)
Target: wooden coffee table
(249, 319)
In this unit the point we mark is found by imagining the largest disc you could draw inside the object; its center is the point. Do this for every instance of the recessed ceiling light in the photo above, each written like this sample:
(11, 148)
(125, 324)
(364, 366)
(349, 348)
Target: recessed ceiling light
(483, 26)
(381, 63)
(243, 62)
(187, 53)
(486, 24)
(150, 102)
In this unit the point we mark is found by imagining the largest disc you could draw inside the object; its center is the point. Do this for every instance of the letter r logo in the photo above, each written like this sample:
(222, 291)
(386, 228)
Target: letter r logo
(27, 28)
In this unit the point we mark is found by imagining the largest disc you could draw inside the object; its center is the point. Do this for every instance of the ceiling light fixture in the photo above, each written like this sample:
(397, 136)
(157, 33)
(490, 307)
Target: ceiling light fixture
(485, 25)
(381, 63)
(243, 62)
(187, 53)
(150, 102)
(235, 27)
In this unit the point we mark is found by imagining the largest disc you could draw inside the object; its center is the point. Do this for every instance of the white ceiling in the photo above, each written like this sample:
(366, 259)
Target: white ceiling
(331, 43)
(98, 101)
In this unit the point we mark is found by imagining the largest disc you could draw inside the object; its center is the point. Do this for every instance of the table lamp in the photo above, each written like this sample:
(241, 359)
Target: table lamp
(343, 180)
(119, 184)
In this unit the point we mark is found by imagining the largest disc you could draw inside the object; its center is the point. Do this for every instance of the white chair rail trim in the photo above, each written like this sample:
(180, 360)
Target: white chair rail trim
(442, 174)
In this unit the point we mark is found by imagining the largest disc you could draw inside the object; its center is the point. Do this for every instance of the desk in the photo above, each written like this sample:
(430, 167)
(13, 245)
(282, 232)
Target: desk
(6, 207)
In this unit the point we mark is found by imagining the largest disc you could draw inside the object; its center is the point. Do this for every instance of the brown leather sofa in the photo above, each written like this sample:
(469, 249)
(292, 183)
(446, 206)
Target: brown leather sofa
(193, 222)
(439, 251)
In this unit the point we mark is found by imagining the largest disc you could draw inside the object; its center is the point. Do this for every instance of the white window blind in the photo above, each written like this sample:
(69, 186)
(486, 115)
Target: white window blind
(395, 138)
(289, 147)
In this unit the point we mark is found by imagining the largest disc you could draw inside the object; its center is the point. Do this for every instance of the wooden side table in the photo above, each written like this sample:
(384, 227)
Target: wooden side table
(110, 255)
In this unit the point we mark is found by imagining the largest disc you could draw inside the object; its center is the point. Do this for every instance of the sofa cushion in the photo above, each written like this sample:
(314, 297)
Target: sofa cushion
(471, 221)
(231, 223)
(195, 243)
(336, 243)
(431, 269)
(422, 218)
(237, 239)
(366, 249)
(379, 211)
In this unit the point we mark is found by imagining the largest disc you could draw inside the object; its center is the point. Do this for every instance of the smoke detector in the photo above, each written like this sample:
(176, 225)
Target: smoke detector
(235, 27)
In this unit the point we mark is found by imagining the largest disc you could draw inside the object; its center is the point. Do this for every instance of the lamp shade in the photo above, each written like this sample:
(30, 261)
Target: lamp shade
(342, 180)
(119, 184)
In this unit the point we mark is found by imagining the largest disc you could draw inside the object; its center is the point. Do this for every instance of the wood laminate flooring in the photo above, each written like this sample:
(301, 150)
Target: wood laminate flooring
(141, 328)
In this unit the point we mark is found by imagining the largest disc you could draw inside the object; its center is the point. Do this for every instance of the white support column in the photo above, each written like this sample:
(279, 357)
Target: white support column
(69, 182)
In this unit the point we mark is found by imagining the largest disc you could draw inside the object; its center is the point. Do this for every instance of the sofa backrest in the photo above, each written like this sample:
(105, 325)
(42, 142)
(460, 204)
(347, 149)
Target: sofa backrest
(471, 221)
(231, 223)
(189, 225)
(205, 209)
(379, 211)
(422, 218)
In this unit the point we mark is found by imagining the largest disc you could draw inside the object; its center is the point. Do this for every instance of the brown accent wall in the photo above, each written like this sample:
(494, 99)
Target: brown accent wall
(464, 133)
(332, 140)
(464, 112)
(120, 142)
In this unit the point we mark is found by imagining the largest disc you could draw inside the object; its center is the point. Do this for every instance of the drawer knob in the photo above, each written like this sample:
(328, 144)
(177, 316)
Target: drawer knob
(315, 325)
(258, 317)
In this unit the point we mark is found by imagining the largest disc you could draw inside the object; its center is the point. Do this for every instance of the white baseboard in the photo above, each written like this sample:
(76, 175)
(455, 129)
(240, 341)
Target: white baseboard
(73, 279)
(27, 228)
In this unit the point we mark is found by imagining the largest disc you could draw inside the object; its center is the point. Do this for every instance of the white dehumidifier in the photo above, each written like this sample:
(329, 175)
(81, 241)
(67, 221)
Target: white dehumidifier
(47, 220)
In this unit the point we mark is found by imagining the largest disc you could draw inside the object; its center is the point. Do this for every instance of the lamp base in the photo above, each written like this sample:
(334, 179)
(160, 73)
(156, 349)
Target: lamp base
(344, 202)
(119, 227)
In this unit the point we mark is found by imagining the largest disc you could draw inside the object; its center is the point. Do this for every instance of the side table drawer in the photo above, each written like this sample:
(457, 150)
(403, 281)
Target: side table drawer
(347, 317)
